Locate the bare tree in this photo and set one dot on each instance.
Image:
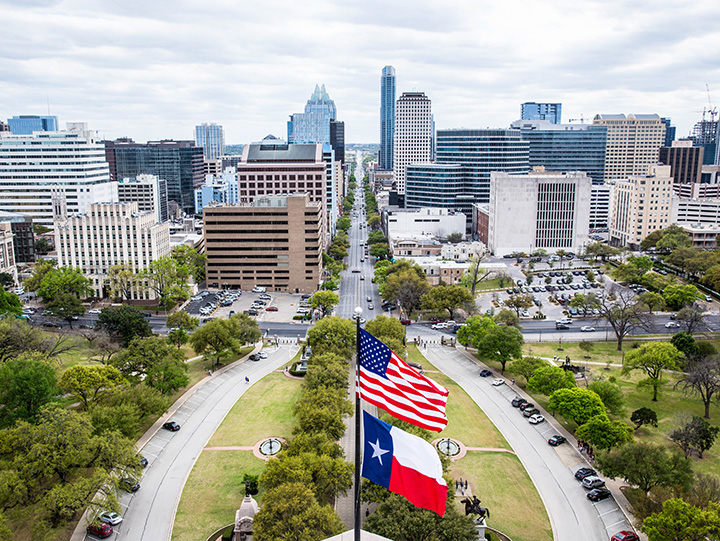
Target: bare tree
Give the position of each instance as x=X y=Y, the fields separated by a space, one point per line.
x=624 y=313
x=475 y=274
x=691 y=319
x=703 y=379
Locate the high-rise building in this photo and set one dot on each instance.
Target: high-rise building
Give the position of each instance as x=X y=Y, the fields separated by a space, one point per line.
x=387 y=118
x=600 y=201
x=538 y=210
x=633 y=144
x=4 y=127
x=53 y=173
x=7 y=251
x=27 y=124
x=337 y=139
x=565 y=147
x=180 y=163
x=220 y=189
x=551 y=112
x=24 y=237
x=275 y=242
x=313 y=126
x=211 y=137
x=149 y=192
x=109 y=234
x=641 y=205
x=705 y=135
x=413 y=135
x=670 y=131
x=685 y=161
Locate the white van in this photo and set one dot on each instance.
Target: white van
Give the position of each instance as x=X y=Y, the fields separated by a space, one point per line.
x=565 y=320
x=258 y=289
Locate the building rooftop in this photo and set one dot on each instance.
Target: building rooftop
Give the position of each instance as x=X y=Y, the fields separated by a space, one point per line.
x=282 y=152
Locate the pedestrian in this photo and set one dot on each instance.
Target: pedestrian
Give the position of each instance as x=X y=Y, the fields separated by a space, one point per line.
x=247 y=379
x=209 y=372
x=513 y=381
x=465 y=484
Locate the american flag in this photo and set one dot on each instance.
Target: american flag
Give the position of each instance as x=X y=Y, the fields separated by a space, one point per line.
x=387 y=382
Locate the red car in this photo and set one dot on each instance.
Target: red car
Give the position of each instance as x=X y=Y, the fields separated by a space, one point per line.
x=100 y=529
x=405 y=321
x=625 y=536
x=271 y=309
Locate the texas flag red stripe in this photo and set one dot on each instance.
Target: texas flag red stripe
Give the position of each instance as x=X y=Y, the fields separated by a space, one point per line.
x=420 y=490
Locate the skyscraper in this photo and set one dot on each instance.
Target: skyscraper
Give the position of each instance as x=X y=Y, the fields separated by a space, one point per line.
x=211 y=137
x=387 y=118
x=27 y=124
x=541 y=111
x=412 y=140
x=318 y=124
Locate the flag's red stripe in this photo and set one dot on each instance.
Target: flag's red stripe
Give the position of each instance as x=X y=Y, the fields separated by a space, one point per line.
x=420 y=490
x=404 y=416
x=407 y=399
x=408 y=412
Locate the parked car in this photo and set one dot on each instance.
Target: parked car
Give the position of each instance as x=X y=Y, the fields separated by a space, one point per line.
x=271 y=309
x=130 y=484
x=517 y=402
x=262 y=355
x=498 y=381
x=251 y=312
x=144 y=462
x=111 y=517
x=485 y=373
x=529 y=412
x=95 y=311
x=536 y=419
x=254 y=357
x=598 y=494
x=405 y=321
x=100 y=529
x=582 y=473
x=525 y=404
x=625 y=536
x=593 y=481
x=556 y=440
x=172 y=426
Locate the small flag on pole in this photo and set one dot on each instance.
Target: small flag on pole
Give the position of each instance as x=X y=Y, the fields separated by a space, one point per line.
x=388 y=382
x=404 y=464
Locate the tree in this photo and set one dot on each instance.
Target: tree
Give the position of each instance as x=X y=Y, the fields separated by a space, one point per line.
x=653 y=359
x=406 y=288
x=178 y=337
x=64 y=280
x=65 y=306
x=507 y=317
x=167 y=279
x=673 y=237
x=611 y=395
x=17 y=337
x=291 y=511
x=379 y=251
x=644 y=416
x=10 y=304
x=678 y=295
x=680 y=521
x=694 y=433
x=42 y=267
x=153 y=361
x=6 y=280
x=244 y=328
x=500 y=344
x=519 y=303
x=601 y=250
x=646 y=465
x=578 y=405
x=333 y=334
x=180 y=319
x=447 y=297
x=624 y=313
x=711 y=278
x=651 y=240
x=26 y=385
x=333 y=375
x=527 y=366
x=43 y=246
x=388 y=330
x=455 y=237
x=325 y=300
x=686 y=344
x=215 y=340
x=691 y=319
x=88 y=383
x=373 y=222
x=603 y=433
x=124 y=323
x=702 y=378
x=654 y=301
x=344 y=223
x=548 y=379
x=189 y=258
x=475 y=328
x=586 y=346
x=474 y=275
x=122 y=279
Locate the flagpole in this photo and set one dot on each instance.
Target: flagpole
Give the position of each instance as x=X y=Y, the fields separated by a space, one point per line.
x=358 y=314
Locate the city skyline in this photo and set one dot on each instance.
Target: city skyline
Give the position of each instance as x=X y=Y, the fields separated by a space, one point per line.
x=152 y=73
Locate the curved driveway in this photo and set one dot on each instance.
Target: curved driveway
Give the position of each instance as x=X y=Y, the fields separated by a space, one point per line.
x=551 y=469
x=151 y=510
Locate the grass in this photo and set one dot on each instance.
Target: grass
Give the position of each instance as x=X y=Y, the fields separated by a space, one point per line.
x=213 y=493
x=214 y=488
x=503 y=485
x=495 y=283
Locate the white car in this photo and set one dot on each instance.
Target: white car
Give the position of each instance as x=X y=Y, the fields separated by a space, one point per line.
x=95 y=311
x=110 y=517
x=672 y=325
x=303 y=311
x=498 y=381
x=587 y=328
x=262 y=355
x=536 y=419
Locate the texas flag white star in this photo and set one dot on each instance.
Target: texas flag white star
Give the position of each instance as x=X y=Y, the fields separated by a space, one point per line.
x=377 y=451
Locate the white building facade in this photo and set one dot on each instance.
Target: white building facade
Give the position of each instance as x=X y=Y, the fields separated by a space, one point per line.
x=600 y=200
x=7 y=250
x=149 y=192
x=108 y=234
x=539 y=210
x=50 y=174
x=435 y=222
x=413 y=137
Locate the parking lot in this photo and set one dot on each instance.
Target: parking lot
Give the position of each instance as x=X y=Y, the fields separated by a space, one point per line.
x=278 y=308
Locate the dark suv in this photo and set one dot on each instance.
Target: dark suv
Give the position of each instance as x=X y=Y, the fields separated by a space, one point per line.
x=582 y=473
x=517 y=402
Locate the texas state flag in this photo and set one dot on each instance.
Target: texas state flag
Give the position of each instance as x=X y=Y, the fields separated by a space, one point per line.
x=404 y=464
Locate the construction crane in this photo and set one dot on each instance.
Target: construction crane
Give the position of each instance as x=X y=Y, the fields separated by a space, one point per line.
x=581 y=119
x=712 y=111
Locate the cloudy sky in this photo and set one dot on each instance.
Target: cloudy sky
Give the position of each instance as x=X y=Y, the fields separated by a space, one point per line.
x=154 y=69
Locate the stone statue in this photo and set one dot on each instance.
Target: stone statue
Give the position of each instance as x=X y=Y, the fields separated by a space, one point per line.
x=473 y=507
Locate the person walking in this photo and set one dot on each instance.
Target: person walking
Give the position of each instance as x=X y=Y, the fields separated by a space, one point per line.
x=247 y=379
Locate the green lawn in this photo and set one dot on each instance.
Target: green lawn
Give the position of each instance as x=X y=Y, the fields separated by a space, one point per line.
x=503 y=485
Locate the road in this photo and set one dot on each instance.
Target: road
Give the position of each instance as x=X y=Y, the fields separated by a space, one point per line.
x=151 y=510
x=551 y=469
